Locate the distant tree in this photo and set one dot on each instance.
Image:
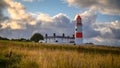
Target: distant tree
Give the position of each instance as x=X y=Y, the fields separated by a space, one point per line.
x=21 y=39
x=36 y=37
x=3 y=38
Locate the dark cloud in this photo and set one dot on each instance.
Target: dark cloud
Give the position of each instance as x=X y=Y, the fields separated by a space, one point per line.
x=2 y=6
x=116 y=33
x=60 y=24
x=106 y=33
x=109 y=30
x=57 y=24
x=103 y=6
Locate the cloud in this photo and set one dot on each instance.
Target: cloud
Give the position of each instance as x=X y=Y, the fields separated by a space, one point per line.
x=2 y=17
x=58 y=24
x=108 y=30
x=103 y=6
x=103 y=33
x=16 y=10
x=13 y=24
x=103 y=41
x=44 y=17
x=18 y=17
x=88 y=19
x=2 y=7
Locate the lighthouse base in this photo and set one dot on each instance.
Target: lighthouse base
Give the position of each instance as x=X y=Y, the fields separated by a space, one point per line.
x=78 y=41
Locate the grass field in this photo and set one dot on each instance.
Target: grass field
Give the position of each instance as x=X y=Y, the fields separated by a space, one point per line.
x=38 y=55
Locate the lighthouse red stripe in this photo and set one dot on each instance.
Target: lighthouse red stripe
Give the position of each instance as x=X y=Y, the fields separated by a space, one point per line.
x=78 y=35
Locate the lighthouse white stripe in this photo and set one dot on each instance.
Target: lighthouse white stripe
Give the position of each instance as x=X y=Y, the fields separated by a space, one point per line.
x=78 y=40
x=79 y=29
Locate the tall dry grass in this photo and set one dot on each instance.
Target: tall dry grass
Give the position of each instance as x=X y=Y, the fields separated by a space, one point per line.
x=36 y=55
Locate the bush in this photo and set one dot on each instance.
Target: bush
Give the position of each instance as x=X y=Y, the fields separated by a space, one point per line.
x=4 y=61
x=10 y=62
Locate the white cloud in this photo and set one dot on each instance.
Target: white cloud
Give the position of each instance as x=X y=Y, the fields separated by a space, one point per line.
x=18 y=17
x=16 y=10
x=13 y=25
x=44 y=17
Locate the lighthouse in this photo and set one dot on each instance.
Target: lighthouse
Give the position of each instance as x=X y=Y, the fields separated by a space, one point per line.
x=78 y=31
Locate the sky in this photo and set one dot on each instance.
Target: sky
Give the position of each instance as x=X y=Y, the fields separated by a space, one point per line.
x=23 y=18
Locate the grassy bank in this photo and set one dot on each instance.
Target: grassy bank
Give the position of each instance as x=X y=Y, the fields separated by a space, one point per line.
x=37 y=55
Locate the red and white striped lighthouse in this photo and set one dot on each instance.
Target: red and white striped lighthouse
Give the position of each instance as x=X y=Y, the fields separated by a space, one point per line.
x=78 y=31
